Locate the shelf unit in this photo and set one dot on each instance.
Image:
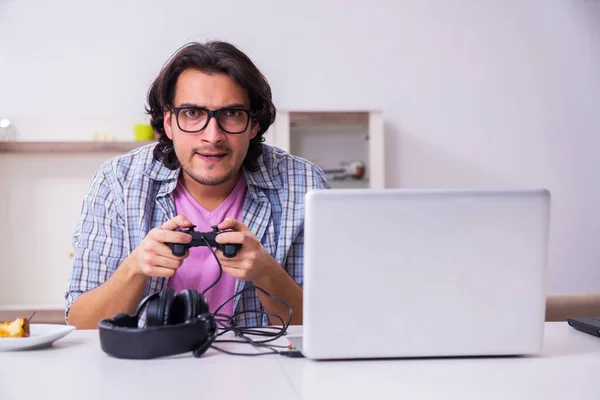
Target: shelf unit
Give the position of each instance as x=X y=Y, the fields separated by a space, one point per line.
x=332 y=139
x=70 y=147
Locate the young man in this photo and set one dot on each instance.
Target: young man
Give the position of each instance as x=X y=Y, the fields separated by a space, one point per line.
x=210 y=107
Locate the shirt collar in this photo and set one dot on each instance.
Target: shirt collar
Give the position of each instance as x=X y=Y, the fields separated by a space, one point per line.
x=157 y=171
x=264 y=178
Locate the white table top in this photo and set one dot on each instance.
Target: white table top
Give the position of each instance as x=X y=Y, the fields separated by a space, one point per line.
x=76 y=367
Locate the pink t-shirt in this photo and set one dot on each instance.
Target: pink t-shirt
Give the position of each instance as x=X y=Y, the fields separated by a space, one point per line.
x=200 y=269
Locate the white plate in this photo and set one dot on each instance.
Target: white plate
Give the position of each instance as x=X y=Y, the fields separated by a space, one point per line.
x=40 y=336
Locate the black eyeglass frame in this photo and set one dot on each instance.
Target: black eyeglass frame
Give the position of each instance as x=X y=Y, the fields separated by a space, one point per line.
x=213 y=113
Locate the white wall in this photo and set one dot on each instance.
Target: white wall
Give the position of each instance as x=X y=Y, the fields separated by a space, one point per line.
x=475 y=94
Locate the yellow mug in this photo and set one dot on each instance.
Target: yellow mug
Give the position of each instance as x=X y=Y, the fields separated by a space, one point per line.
x=143 y=132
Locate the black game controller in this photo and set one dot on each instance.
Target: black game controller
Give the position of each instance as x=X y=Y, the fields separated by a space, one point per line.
x=198 y=239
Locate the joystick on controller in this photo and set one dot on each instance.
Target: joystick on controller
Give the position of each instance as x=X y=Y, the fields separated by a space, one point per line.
x=201 y=239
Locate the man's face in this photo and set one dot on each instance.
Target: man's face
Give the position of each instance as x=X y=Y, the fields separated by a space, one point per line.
x=211 y=156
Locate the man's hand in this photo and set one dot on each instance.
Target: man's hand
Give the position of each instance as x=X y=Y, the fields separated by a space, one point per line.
x=153 y=257
x=252 y=261
x=123 y=291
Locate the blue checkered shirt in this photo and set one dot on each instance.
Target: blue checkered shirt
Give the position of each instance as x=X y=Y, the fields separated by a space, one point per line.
x=132 y=193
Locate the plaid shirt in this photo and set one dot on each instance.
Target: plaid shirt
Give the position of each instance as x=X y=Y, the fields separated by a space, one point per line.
x=132 y=193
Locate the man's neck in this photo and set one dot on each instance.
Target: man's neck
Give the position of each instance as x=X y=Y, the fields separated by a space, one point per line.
x=209 y=197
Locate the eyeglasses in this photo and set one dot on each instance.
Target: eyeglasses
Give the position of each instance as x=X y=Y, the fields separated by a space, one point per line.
x=195 y=119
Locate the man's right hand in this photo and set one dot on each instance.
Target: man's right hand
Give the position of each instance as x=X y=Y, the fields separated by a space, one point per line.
x=153 y=257
x=123 y=291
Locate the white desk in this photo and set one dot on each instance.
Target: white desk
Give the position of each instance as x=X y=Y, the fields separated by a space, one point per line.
x=76 y=367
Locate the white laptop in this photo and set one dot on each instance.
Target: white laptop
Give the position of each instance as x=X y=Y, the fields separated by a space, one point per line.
x=398 y=273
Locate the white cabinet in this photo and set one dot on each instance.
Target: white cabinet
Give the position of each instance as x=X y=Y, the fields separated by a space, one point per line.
x=347 y=145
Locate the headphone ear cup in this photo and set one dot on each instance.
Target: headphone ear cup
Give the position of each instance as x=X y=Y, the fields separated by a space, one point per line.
x=186 y=306
x=159 y=308
x=202 y=304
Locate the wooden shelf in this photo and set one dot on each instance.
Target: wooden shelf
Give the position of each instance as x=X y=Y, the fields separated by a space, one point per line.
x=70 y=147
x=299 y=118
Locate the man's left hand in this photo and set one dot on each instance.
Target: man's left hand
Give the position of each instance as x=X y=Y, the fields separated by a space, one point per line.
x=252 y=261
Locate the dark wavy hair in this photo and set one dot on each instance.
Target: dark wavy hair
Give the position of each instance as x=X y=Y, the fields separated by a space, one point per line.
x=210 y=57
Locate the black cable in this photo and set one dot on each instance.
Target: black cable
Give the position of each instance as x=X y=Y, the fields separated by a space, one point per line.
x=251 y=330
x=250 y=341
x=242 y=354
x=259 y=344
x=220 y=268
x=230 y=326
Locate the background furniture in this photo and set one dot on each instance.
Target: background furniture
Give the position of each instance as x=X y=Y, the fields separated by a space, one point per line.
x=332 y=139
x=559 y=307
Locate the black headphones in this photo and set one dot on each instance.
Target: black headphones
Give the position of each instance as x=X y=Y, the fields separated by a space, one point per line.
x=175 y=323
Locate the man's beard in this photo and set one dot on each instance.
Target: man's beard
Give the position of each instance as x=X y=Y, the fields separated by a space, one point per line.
x=210 y=181
x=213 y=181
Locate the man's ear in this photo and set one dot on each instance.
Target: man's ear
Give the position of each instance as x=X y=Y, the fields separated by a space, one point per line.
x=254 y=130
x=167 y=124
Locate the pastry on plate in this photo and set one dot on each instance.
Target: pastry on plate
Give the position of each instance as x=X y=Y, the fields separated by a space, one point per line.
x=19 y=328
